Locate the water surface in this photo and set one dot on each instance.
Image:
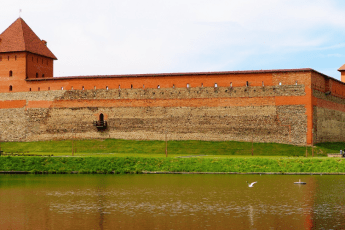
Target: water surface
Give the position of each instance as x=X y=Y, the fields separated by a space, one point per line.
x=171 y=202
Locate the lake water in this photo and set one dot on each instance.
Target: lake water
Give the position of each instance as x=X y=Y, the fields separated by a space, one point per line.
x=171 y=202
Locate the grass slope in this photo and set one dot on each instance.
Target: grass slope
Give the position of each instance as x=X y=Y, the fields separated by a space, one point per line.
x=141 y=164
x=157 y=148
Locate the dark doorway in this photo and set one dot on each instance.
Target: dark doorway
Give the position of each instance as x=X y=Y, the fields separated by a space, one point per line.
x=101 y=117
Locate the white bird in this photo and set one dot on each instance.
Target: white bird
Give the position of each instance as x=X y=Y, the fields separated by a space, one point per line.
x=251 y=184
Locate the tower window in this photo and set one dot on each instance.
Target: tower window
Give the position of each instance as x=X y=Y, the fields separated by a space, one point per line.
x=10 y=88
x=263 y=84
x=247 y=83
x=215 y=85
x=48 y=88
x=61 y=88
x=143 y=86
x=296 y=83
x=11 y=73
x=94 y=87
x=42 y=75
x=158 y=86
x=72 y=88
x=30 y=89
x=119 y=86
x=280 y=83
x=187 y=85
x=38 y=89
x=231 y=84
x=82 y=88
x=107 y=88
x=173 y=86
x=36 y=75
x=131 y=86
x=202 y=84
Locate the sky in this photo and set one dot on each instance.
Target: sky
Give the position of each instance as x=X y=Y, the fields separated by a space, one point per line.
x=108 y=37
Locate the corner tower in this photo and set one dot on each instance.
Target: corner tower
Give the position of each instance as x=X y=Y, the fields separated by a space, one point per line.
x=23 y=55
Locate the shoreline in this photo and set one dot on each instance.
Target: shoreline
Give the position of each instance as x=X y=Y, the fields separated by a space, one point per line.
x=154 y=172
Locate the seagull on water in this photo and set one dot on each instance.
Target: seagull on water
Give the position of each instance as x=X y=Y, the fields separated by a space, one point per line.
x=251 y=184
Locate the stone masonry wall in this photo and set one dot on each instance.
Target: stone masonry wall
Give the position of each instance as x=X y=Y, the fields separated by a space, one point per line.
x=201 y=113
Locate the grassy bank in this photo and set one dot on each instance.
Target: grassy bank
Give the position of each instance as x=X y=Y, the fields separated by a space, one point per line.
x=140 y=164
x=157 y=148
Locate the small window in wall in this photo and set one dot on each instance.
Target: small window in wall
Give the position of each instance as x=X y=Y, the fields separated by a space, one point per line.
x=48 y=88
x=72 y=88
x=173 y=86
x=30 y=89
x=202 y=84
x=107 y=88
x=10 y=88
x=38 y=89
x=94 y=87
x=280 y=83
x=42 y=75
x=82 y=88
x=131 y=86
x=187 y=85
x=143 y=86
x=158 y=86
x=231 y=84
x=119 y=86
x=11 y=73
x=296 y=83
x=61 y=88
x=215 y=85
x=36 y=75
x=247 y=83
x=263 y=84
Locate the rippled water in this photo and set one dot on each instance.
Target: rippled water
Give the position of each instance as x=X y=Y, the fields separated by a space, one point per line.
x=171 y=202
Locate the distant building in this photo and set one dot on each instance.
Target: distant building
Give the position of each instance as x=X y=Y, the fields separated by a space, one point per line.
x=292 y=106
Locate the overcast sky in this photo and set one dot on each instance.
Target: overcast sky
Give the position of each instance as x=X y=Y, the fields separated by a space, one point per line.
x=160 y=36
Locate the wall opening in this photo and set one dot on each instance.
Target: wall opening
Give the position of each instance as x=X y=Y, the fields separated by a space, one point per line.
x=263 y=84
x=82 y=88
x=173 y=86
x=42 y=75
x=101 y=117
x=107 y=88
x=72 y=88
x=30 y=89
x=39 y=89
x=131 y=86
x=231 y=84
x=94 y=87
x=158 y=86
x=36 y=75
x=11 y=73
x=280 y=83
x=187 y=85
x=48 y=88
x=215 y=85
x=119 y=86
x=247 y=83
x=61 y=88
x=295 y=82
x=143 y=86
x=10 y=88
x=202 y=85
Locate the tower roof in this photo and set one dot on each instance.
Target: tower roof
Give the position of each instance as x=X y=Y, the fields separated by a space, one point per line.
x=20 y=37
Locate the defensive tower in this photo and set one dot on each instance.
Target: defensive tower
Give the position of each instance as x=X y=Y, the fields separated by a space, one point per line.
x=23 y=55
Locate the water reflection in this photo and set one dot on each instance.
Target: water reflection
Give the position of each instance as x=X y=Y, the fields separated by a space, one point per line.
x=171 y=202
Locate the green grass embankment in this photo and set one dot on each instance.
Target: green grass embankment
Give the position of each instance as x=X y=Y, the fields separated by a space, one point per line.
x=155 y=148
x=140 y=164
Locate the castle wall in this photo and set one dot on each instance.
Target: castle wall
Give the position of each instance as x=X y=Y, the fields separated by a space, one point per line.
x=269 y=113
x=328 y=109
